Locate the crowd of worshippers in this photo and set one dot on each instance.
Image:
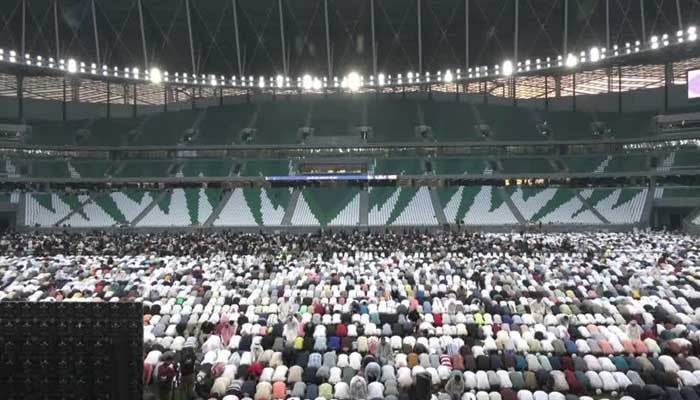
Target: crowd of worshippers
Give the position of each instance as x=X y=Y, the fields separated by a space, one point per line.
x=416 y=316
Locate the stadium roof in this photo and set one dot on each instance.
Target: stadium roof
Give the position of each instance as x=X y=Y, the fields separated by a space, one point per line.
x=68 y=28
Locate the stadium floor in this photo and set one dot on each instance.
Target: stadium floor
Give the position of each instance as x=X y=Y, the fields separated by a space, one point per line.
x=390 y=316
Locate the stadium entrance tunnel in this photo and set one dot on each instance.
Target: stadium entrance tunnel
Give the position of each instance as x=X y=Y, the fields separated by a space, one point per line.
x=7 y=221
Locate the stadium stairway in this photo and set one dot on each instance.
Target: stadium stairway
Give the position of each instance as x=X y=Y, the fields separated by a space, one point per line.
x=148 y=208
x=364 y=207
x=513 y=209
x=289 y=211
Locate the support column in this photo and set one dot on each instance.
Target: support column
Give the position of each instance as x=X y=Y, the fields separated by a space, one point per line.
x=143 y=37
x=678 y=11
x=328 y=43
x=20 y=97
x=189 y=31
x=24 y=31
x=607 y=24
x=466 y=35
x=619 y=88
x=63 y=103
x=374 y=39
x=644 y=23
x=109 y=99
x=573 y=92
x=566 y=29
x=55 y=28
x=420 y=37
x=668 y=76
x=234 y=4
x=515 y=39
x=95 y=32
x=284 y=46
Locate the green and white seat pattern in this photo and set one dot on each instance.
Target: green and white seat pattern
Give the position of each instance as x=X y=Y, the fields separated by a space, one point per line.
x=618 y=206
x=402 y=206
x=254 y=207
x=327 y=207
x=477 y=205
x=181 y=207
x=47 y=209
x=553 y=205
x=670 y=192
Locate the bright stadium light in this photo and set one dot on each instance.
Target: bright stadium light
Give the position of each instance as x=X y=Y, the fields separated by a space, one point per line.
x=39 y=61
x=381 y=79
x=135 y=73
x=212 y=80
x=279 y=81
x=594 y=54
x=72 y=66
x=664 y=39
x=410 y=77
x=654 y=42
x=316 y=84
x=307 y=82
x=261 y=82
x=354 y=81
x=156 y=76
x=571 y=61
x=692 y=34
x=448 y=78
x=679 y=36
x=507 y=68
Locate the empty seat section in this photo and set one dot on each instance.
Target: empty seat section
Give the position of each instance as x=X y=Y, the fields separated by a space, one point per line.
x=207 y=168
x=50 y=169
x=166 y=128
x=392 y=120
x=686 y=160
x=335 y=117
x=145 y=168
x=670 y=192
x=451 y=121
x=627 y=163
x=327 y=206
x=47 y=209
x=54 y=133
x=255 y=206
x=458 y=165
x=266 y=168
x=111 y=131
x=223 y=125
x=278 y=122
x=401 y=206
x=476 y=205
x=89 y=168
x=508 y=123
x=583 y=164
x=526 y=165
x=618 y=206
x=398 y=166
x=568 y=125
x=628 y=125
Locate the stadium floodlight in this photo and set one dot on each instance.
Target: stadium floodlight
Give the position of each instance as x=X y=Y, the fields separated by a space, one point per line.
x=527 y=64
x=72 y=66
x=507 y=69
x=354 y=81
x=261 y=82
x=679 y=36
x=279 y=81
x=664 y=39
x=307 y=82
x=316 y=84
x=166 y=77
x=213 y=81
x=616 y=50
x=52 y=63
x=654 y=42
x=381 y=79
x=571 y=61
x=39 y=61
x=13 y=56
x=409 y=75
x=156 y=76
x=692 y=34
x=448 y=78
x=628 y=48
x=399 y=79
x=594 y=54
x=82 y=67
x=184 y=77
x=459 y=73
x=636 y=46
x=135 y=73
x=2 y=54
x=27 y=59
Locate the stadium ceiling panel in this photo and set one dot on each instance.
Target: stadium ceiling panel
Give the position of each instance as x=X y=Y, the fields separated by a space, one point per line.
x=328 y=37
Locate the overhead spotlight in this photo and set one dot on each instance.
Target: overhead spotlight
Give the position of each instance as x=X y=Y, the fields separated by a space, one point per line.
x=427 y=76
x=459 y=74
x=409 y=75
x=135 y=73
x=316 y=84
x=679 y=36
x=664 y=39
x=654 y=42
x=279 y=81
x=448 y=76
x=560 y=60
x=354 y=81
x=616 y=50
x=93 y=68
x=571 y=61
x=399 y=79
x=628 y=48
x=156 y=76
x=166 y=77
x=594 y=54
x=507 y=69
x=527 y=64
x=213 y=81
x=39 y=61
x=2 y=54
x=538 y=64
x=72 y=65
x=692 y=33
x=52 y=62
x=307 y=82
x=261 y=82
x=381 y=79
x=28 y=59
x=636 y=46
